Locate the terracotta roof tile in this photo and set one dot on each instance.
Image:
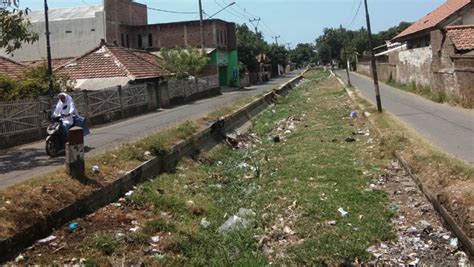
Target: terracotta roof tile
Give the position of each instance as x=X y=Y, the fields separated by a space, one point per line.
x=462 y=36
x=109 y=61
x=434 y=18
x=11 y=68
x=57 y=62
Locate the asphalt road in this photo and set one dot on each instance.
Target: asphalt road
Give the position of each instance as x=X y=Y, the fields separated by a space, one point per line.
x=28 y=161
x=449 y=128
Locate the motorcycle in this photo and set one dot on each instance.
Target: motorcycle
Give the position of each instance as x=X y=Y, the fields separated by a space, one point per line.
x=55 y=142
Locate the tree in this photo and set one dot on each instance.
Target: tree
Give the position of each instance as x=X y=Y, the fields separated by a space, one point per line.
x=184 y=62
x=303 y=55
x=33 y=82
x=249 y=45
x=15 y=29
x=278 y=56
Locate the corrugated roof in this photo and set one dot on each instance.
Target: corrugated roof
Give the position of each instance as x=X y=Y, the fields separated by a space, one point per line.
x=434 y=18
x=108 y=61
x=11 y=68
x=462 y=36
x=66 y=13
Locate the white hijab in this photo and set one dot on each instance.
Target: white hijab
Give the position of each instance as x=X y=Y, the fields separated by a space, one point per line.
x=66 y=108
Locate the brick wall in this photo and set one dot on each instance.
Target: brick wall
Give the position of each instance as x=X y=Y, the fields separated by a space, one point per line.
x=119 y=12
x=217 y=34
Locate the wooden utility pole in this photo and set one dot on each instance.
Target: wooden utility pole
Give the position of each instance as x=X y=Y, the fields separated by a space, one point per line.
x=276 y=39
x=374 y=65
x=256 y=25
x=48 y=50
x=201 y=26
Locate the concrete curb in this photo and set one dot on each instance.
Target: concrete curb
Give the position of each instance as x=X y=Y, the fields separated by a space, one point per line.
x=448 y=219
x=201 y=141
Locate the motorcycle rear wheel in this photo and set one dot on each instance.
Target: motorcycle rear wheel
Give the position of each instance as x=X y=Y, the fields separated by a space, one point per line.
x=51 y=148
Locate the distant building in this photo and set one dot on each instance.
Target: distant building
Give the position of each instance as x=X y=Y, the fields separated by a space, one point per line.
x=77 y=30
x=220 y=43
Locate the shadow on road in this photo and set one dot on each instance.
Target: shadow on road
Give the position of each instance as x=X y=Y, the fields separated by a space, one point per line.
x=28 y=158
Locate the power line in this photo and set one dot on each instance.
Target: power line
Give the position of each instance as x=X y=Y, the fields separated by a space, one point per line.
x=172 y=11
x=355 y=16
x=230 y=12
x=163 y=10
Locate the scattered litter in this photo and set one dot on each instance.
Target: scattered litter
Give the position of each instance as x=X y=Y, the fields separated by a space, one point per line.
x=118 y=205
x=205 y=223
x=20 y=258
x=350 y=139
x=155 y=239
x=288 y=230
x=276 y=139
x=414 y=263
x=190 y=203
x=46 y=240
x=242 y=220
x=129 y=193
x=134 y=229
x=73 y=226
x=119 y=235
x=454 y=242
x=333 y=222
x=134 y=222
x=147 y=153
x=95 y=169
x=219 y=163
x=342 y=212
x=353 y=115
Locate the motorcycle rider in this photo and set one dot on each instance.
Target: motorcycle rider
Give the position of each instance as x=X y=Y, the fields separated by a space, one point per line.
x=66 y=109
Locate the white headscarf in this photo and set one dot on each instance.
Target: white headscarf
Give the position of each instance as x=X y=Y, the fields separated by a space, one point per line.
x=66 y=108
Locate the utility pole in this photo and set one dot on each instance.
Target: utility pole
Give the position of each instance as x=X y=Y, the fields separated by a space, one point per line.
x=345 y=54
x=201 y=26
x=374 y=65
x=276 y=39
x=256 y=25
x=48 y=50
x=289 y=46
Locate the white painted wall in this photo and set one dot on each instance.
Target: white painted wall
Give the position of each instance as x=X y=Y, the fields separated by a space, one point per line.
x=80 y=39
x=414 y=66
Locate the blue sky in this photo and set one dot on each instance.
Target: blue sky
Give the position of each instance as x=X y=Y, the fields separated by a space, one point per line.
x=296 y=21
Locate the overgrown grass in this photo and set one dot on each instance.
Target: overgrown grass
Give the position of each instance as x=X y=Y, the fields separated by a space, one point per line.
x=299 y=183
x=424 y=91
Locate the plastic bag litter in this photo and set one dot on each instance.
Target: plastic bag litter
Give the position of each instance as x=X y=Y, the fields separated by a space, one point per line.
x=242 y=220
x=342 y=212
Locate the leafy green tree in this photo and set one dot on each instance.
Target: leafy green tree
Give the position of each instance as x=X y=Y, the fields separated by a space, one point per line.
x=15 y=29
x=33 y=82
x=184 y=62
x=303 y=55
x=278 y=56
x=249 y=45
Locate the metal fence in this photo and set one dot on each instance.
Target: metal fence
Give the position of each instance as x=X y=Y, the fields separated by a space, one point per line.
x=28 y=115
x=31 y=114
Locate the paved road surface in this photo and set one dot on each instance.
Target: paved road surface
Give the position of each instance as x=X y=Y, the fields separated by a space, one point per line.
x=449 y=128
x=24 y=162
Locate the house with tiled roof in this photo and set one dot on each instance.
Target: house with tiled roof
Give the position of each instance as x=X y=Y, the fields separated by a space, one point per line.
x=438 y=53
x=453 y=12
x=111 y=65
x=11 y=68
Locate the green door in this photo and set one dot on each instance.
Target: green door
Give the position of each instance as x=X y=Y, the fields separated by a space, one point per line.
x=223 y=76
